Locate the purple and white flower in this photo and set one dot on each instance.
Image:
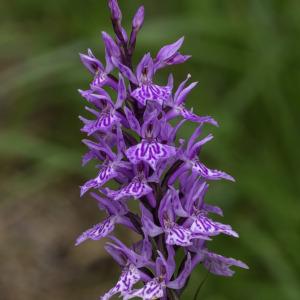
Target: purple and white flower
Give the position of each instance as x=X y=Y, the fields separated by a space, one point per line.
x=116 y=211
x=179 y=109
x=101 y=73
x=137 y=188
x=129 y=277
x=146 y=90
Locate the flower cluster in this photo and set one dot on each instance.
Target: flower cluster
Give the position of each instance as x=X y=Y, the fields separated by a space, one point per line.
x=136 y=143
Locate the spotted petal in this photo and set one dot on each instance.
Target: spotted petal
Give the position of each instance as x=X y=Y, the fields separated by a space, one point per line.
x=103 y=123
x=105 y=174
x=220 y=265
x=151 y=291
x=98 y=231
x=137 y=188
x=151 y=92
x=206 y=226
x=150 y=152
x=178 y=235
x=207 y=173
x=130 y=276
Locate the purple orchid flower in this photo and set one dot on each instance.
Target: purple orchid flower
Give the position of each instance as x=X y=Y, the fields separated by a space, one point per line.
x=129 y=277
x=95 y=66
x=179 y=109
x=156 y=287
x=197 y=213
x=192 y=162
x=137 y=188
x=116 y=212
x=149 y=150
x=215 y=263
x=220 y=265
x=146 y=90
x=135 y=140
x=131 y=260
x=109 y=115
x=169 y=55
x=175 y=234
x=112 y=167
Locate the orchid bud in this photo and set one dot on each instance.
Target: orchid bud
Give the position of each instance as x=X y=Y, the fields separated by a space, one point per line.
x=115 y=10
x=138 y=19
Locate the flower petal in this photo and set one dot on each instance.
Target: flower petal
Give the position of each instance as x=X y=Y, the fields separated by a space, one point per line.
x=142 y=68
x=97 y=96
x=210 y=174
x=169 y=50
x=130 y=276
x=143 y=247
x=195 y=149
x=150 y=152
x=99 y=80
x=166 y=211
x=152 y=290
x=177 y=205
x=91 y=62
x=181 y=94
x=178 y=235
x=125 y=70
x=220 y=265
x=122 y=92
x=206 y=226
x=87 y=157
x=138 y=260
x=180 y=281
x=167 y=53
x=103 y=123
x=149 y=227
x=98 y=231
x=132 y=120
x=176 y=59
x=137 y=188
x=111 y=47
x=105 y=174
x=116 y=253
x=213 y=209
x=189 y=115
x=151 y=92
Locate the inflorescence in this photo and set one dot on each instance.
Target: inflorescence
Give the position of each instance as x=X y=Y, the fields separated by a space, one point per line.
x=138 y=148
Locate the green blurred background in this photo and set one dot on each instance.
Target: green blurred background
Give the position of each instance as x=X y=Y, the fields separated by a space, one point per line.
x=246 y=58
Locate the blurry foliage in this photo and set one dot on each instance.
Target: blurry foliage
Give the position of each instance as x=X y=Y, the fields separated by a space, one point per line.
x=246 y=58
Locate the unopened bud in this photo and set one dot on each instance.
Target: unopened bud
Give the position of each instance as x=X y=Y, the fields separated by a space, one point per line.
x=115 y=10
x=138 y=19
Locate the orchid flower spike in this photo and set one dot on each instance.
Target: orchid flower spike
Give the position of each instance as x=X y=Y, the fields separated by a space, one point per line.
x=133 y=135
